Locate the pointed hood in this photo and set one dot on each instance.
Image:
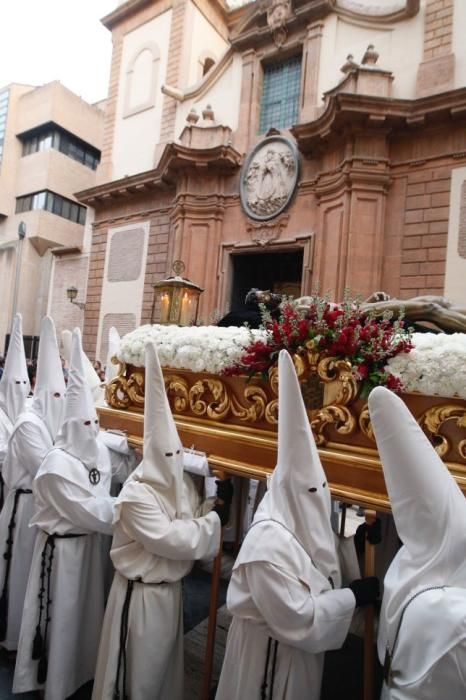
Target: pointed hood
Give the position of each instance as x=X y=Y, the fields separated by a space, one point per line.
x=427 y=505
x=66 y=336
x=80 y=428
x=92 y=377
x=14 y=384
x=298 y=494
x=162 y=464
x=49 y=391
x=111 y=370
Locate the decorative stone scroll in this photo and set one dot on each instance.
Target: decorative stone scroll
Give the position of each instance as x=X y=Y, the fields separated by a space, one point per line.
x=269 y=178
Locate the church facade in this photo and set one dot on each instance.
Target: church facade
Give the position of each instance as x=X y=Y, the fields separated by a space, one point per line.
x=282 y=144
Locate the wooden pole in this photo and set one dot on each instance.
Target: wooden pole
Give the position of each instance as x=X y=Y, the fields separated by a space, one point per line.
x=369 y=570
x=344 y=507
x=212 y=624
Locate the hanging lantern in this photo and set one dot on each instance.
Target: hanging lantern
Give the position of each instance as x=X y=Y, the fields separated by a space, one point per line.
x=178 y=299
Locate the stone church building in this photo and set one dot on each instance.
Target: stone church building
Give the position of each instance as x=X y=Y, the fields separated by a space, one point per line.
x=281 y=144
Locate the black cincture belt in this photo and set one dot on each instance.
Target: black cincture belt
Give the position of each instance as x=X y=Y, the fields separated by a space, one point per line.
x=124 y=628
x=2 y=491
x=8 y=555
x=39 y=644
x=266 y=681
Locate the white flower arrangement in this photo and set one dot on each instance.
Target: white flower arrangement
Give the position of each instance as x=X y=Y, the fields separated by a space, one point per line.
x=196 y=348
x=436 y=365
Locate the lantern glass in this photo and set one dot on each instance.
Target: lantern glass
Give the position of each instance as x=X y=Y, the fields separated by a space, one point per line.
x=177 y=300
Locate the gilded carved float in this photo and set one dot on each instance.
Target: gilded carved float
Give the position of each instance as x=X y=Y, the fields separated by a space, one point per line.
x=234 y=420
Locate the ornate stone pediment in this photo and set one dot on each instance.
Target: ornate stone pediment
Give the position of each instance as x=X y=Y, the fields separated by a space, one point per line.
x=278 y=13
x=282 y=17
x=266 y=232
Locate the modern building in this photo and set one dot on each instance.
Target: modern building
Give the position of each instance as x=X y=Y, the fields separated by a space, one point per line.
x=280 y=144
x=50 y=147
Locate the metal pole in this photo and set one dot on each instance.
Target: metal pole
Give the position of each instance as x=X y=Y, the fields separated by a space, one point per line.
x=19 y=252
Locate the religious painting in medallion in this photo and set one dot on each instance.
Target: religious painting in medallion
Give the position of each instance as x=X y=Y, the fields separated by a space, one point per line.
x=269 y=178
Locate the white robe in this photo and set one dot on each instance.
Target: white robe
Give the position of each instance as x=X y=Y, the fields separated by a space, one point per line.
x=287 y=599
x=148 y=545
x=68 y=504
x=29 y=443
x=430 y=655
x=6 y=426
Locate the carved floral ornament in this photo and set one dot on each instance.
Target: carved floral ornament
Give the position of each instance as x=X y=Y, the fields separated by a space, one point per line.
x=269 y=178
x=232 y=400
x=278 y=13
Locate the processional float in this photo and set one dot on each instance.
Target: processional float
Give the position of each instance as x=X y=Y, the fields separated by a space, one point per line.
x=234 y=419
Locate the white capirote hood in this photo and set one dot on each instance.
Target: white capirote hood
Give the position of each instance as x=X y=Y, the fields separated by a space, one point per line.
x=92 y=377
x=49 y=391
x=162 y=464
x=114 y=340
x=298 y=495
x=80 y=428
x=429 y=511
x=14 y=384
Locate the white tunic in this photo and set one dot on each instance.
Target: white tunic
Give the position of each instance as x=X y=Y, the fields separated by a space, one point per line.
x=66 y=505
x=288 y=600
x=156 y=551
x=429 y=658
x=6 y=426
x=29 y=443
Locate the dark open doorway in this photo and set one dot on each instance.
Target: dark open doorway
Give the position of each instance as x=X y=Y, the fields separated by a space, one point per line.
x=280 y=272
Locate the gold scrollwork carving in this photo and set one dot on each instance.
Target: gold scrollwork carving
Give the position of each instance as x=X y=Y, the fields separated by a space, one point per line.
x=434 y=419
x=116 y=394
x=271 y=412
x=339 y=372
x=339 y=416
x=257 y=398
x=178 y=392
x=365 y=423
x=216 y=406
x=135 y=388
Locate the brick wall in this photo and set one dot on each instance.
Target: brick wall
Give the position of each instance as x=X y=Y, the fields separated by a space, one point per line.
x=94 y=290
x=425 y=232
x=104 y=171
x=173 y=69
x=68 y=272
x=157 y=260
x=438 y=36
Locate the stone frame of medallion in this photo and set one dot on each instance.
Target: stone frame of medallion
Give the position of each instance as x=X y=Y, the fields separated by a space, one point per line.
x=291 y=143
x=228 y=249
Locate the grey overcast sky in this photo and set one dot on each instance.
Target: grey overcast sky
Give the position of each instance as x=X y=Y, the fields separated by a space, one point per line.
x=44 y=40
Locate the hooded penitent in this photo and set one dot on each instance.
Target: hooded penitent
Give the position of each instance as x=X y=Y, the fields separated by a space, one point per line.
x=49 y=391
x=80 y=428
x=162 y=465
x=14 y=384
x=91 y=375
x=430 y=517
x=298 y=495
x=114 y=340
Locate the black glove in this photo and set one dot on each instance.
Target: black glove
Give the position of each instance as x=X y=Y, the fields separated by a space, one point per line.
x=366 y=590
x=223 y=512
x=224 y=490
x=372 y=532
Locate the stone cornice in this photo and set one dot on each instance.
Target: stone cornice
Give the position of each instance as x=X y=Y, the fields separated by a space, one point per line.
x=130 y=7
x=349 y=110
x=175 y=158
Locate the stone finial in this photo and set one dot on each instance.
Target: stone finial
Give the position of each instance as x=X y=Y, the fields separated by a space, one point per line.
x=371 y=56
x=349 y=65
x=208 y=114
x=193 y=117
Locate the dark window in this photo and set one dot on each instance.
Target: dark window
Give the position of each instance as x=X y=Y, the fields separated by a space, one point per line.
x=280 y=94
x=51 y=136
x=54 y=203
